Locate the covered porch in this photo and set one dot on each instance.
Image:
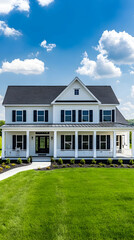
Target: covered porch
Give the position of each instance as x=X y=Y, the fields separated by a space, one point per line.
x=67 y=142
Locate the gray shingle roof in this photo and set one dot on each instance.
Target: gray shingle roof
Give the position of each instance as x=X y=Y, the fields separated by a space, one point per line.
x=120 y=118
x=46 y=94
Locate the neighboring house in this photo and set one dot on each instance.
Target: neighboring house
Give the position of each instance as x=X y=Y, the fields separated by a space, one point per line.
x=74 y=121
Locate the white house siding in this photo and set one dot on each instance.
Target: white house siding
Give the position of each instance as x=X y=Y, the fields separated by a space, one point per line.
x=29 y=115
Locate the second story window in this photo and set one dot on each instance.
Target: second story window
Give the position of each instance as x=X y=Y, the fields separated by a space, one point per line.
x=107 y=116
x=76 y=91
x=41 y=116
x=19 y=115
x=85 y=116
x=68 y=116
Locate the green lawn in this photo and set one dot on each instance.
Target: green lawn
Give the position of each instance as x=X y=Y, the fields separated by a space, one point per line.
x=68 y=204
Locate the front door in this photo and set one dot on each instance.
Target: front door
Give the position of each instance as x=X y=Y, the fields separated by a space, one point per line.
x=42 y=144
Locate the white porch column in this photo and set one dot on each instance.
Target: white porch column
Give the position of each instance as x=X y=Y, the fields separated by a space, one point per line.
x=27 y=151
x=3 y=144
x=76 y=144
x=114 y=144
x=55 y=144
x=94 y=145
x=132 y=144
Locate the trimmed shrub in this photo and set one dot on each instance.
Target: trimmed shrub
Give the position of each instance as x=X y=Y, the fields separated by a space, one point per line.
x=109 y=161
x=1 y=169
x=82 y=161
x=111 y=165
x=120 y=161
x=122 y=165
x=128 y=166
x=60 y=161
x=72 y=161
x=104 y=165
x=80 y=165
x=7 y=167
x=29 y=160
x=19 y=161
x=68 y=165
x=131 y=162
x=13 y=164
x=7 y=161
x=100 y=164
x=48 y=168
x=63 y=165
x=93 y=161
x=52 y=159
x=116 y=165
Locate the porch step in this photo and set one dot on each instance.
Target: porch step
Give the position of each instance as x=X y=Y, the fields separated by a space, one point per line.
x=41 y=159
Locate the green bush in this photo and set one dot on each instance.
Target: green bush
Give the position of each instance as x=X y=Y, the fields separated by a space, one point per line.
x=100 y=164
x=93 y=161
x=109 y=161
x=47 y=168
x=68 y=165
x=13 y=164
x=122 y=165
x=104 y=165
x=1 y=169
x=19 y=161
x=72 y=161
x=60 y=161
x=82 y=161
x=29 y=160
x=111 y=165
x=7 y=167
x=52 y=159
x=120 y=161
x=7 y=161
x=80 y=165
x=128 y=166
x=131 y=162
x=116 y=165
x=63 y=165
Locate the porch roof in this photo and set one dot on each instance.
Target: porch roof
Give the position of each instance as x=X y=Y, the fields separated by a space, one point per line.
x=93 y=126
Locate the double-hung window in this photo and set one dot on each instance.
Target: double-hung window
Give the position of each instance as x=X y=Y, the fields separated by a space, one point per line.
x=19 y=142
x=68 y=116
x=76 y=91
x=85 y=116
x=68 y=142
x=19 y=116
x=85 y=142
x=103 y=142
x=41 y=116
x=107 y=116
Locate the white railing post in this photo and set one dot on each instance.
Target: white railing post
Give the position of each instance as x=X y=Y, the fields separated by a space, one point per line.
x=3 y=144
x=94 y=144
x=27 y=151
x=132 y=144
x=55 y=144
x=76 y=144
x=114 y=144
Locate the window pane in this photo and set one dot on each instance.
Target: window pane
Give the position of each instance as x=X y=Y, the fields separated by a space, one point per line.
x=68 y=113
x=85 y=118
x=19 y=145
x=19 y=138
x=85 y=145
x=103 y=145
x=68 y=138
x=107 y=118
x=40 y=118
x=68 y=118
x=19 y=118
x=107 y=112
x=85 y=112
x=67 y=145
x=41 y=113
x=85 y=138
x=103 y=138
x=19 y=113
x=76 y=91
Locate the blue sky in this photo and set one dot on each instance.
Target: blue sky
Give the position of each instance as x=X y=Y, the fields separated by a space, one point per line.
x=93 y=40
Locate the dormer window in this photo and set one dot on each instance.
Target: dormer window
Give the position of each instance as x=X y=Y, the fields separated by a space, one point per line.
x=76 y=91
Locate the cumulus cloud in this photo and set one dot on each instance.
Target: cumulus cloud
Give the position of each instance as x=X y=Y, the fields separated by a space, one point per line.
x=101 y=68
x=128 y=110
x=44 y=3
x=26 y=67
x=49 y=47
x=7 y=31
x=6 y=6
x=117 y=47
x=2 y=111
x=132 y=91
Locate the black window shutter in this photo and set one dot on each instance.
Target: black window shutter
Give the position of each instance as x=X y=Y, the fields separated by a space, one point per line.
x=108 y=141
x=97 y=142
x=62 y=115
x=46 y=115
x=79 y=142
x=35 y=115
x=24 y=115
x=91 y=116
x=62 y=142
x=74 y=115
x=90 y=141
x=120 y=141
x=73 y=141
x=79 y=116
x=13 y=116
x=100 y=115
x=14 y=142
x=24 y=142
x=113 y=115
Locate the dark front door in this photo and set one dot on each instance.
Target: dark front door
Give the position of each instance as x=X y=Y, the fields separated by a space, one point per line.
x=42 y=144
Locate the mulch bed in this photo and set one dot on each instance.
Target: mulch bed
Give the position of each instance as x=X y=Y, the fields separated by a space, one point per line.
x=11 y=167
x=57 y=166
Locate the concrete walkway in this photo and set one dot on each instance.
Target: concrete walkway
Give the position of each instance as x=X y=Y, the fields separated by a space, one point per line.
x=34 y=165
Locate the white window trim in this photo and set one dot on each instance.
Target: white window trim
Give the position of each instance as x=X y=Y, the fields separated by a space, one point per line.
x=67 y=115
x=107 y=115
x=100 y=149
x=19 y=115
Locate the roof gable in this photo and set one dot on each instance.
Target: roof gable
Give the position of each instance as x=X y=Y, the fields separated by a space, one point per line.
x=67 y=95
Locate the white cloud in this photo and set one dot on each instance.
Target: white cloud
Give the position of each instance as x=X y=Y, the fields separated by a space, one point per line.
x=49 y=47
x=132 y=91
x=7 y=31
x=117 y=46
x=6 y=6
x=118 y=81
x=101 y=68
x=44 y=3
x=26 y=67
x=128 y=110
x=2 y=110
x=131 y=72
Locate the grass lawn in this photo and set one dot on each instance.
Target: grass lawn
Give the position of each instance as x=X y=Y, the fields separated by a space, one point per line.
x=68 y=204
